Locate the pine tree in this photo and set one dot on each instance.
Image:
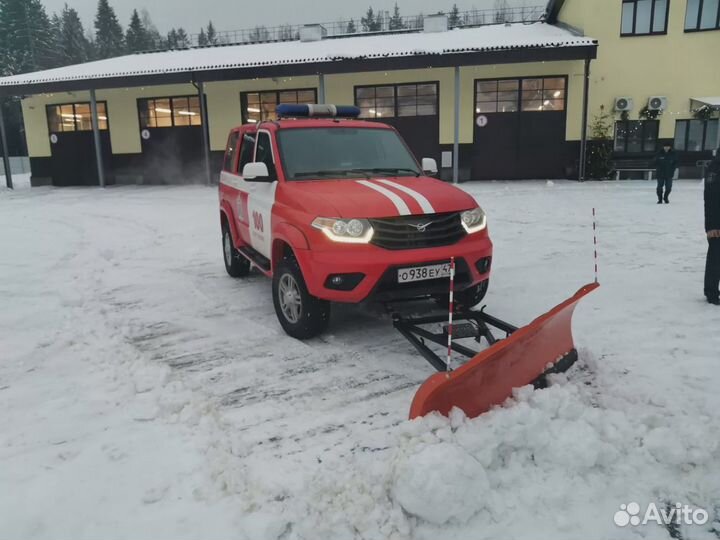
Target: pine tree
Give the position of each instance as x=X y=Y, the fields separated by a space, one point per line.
x=202 y=38
x=109 y=39
x=136 y=38
x=74 y=45
x=351 y=27
x=396 y=22
x=55 y=54
x=38 y=26
x=154 y=39
x=172 y=39
x=369 y=21
x=183 y=41
x=454 y=17
x=212 y=38
x=25 y=43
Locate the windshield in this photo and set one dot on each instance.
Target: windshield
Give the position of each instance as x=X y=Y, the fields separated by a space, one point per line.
x=316 y=153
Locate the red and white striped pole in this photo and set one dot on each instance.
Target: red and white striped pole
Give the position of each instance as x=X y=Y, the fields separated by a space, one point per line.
x=595 y=245
x=450 y=313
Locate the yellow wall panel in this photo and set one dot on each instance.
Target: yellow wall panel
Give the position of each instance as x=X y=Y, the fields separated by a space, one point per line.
x=678 y=65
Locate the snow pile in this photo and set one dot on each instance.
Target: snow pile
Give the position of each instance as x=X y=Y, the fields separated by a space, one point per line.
x=441 y=482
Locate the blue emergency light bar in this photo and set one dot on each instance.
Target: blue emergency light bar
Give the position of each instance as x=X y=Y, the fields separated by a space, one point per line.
x=317 y=110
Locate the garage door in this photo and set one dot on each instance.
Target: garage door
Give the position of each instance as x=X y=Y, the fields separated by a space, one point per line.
x=520 y=128
x=171 y=139
x=72 y=144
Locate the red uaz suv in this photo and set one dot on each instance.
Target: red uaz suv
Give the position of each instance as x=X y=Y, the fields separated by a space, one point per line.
x=336 y=209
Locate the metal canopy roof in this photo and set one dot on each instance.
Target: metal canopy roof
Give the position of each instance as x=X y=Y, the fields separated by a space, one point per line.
x=502 y=43
x=713 y=102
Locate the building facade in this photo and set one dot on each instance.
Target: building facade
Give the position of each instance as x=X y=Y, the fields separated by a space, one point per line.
x=661 y=50
x=503 y=101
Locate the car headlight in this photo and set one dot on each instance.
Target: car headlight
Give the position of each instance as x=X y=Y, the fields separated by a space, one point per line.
x=474 y=220
x=350 y=231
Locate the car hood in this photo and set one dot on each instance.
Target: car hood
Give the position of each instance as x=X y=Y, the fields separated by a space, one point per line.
x=378 y=197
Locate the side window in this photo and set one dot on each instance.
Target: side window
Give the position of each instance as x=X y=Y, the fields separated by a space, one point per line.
x=247 y=148
x=264 y=153
x=231 y=152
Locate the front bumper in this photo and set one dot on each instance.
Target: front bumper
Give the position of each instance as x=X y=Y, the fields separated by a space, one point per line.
x=379 y=268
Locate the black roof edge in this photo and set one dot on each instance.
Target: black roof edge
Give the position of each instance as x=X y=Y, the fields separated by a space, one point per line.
x=353 y=65
x=553 y=9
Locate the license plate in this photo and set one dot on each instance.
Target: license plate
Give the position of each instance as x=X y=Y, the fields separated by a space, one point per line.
x=421 y=273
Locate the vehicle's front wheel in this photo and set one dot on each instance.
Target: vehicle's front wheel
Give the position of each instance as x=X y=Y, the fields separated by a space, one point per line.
x=300 y=314
x=235 y=264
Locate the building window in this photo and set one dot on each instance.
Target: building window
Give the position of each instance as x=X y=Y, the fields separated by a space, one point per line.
x=387 y=101
x=702 y=15
x=636 y=136
x=375 y=101
x=547 y=94
x=644 y=17
x=528 y=95
x=181 y=111
x=260 y=106
x=497 y=96
x=75 y=117
x=696 y=135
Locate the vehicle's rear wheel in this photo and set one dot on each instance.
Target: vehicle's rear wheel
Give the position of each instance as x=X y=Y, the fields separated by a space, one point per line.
x=300 y=314
x=468 y=298
x=235 y=264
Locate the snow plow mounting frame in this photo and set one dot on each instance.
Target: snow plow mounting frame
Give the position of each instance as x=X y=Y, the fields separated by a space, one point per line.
x=411 y=329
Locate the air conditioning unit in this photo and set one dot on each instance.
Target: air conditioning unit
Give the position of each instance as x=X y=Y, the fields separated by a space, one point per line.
x=623 y=104
x=657 y=103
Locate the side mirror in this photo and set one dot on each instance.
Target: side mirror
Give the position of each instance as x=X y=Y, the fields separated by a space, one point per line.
x=429 y=165
x=256 y=172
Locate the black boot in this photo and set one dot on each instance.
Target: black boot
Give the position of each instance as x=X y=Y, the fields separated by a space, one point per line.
x=660 y=195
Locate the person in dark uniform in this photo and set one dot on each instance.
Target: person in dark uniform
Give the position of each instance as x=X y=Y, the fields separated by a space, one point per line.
x=665 y=165
x=712 y=228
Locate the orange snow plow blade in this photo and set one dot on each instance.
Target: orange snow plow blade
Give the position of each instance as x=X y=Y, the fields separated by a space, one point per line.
x=545 y=345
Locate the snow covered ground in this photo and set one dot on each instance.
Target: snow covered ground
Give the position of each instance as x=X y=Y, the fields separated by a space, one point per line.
x=145 y=394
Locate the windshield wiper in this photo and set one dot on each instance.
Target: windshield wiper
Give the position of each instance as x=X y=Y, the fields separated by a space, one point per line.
x=311 y=174
x=391 y=170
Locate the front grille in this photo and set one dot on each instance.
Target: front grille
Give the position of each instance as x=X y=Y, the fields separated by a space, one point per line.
x=403 y=233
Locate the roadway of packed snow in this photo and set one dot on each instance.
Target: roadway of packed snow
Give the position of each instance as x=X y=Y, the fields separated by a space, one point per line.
x=144 y=393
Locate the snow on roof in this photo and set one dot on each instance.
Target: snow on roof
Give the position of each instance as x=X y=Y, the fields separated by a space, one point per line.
x=466 y=40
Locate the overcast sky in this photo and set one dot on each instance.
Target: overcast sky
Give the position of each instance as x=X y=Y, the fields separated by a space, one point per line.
x=239 y=14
